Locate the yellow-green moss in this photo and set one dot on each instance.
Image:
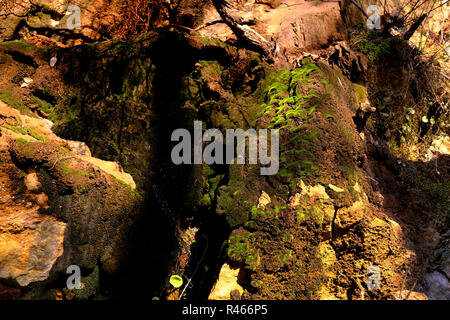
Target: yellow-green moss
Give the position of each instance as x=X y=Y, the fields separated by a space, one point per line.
x=17 y=129
x=240 y=250
x=7 y=96
x=360 y=94
x=34 y=134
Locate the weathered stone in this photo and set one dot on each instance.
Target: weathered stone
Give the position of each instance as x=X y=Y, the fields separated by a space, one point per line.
x=32 y=182
x=30 y=244
x=294 y=25
x=79 y=148
x=227 y=282
x=335 y=188
x=264 y=200
x=410 y=295
x=317 y=191
x=348 y=216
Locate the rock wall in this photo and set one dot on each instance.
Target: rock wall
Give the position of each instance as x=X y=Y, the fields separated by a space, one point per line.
x=58 y=208
x=349 y=195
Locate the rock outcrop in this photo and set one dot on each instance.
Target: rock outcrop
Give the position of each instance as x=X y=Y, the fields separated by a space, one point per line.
x=226 y=284
x=22 y=18
x=56 y=206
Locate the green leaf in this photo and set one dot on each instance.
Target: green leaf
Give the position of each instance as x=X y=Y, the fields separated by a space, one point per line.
x=176 y=281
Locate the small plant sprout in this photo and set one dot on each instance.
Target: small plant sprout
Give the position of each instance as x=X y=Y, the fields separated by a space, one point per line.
x=176 y=281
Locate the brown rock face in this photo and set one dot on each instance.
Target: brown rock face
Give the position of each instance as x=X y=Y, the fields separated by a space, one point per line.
x=294 y=26
x=304 y=24
x=30 y=244
x=349 y=216
x=40 y=234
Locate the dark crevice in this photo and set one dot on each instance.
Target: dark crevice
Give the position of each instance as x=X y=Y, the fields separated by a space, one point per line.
x=22 y=58
x=42 y=95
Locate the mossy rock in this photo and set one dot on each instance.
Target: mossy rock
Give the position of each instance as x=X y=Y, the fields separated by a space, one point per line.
x=89 y=286
x=235 y=199
x=98 y=208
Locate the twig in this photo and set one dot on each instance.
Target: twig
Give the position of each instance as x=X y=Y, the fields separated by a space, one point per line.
x=243 y=32
x=371 y=179
x=196 y=268
x=361 y=9
x=208 y=24
x=412 y=288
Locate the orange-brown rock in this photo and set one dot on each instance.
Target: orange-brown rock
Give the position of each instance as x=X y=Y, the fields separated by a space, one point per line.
x=30 y=244
x=39 y=233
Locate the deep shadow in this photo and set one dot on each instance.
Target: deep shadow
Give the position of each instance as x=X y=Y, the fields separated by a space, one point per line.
x=153 y=238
